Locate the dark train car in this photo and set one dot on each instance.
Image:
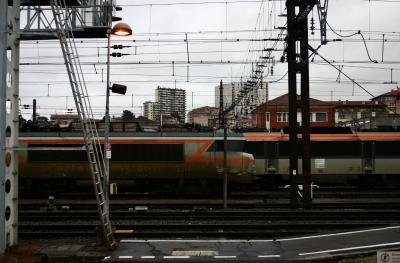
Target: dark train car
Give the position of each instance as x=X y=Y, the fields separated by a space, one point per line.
x=370 y=159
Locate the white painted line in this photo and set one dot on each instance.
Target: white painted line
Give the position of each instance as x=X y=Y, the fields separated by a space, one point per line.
x=197 y=253
x=180 y=257
x=148 y=257
x=252 y=240
x=194 y=241
x=269 y=256
x=349 y=249
x=224 y=256
x=339 y=234
x=125 y=257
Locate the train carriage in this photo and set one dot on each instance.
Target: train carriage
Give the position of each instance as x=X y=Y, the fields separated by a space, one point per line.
x=153 y=158
x=356 y=159
x=174 y=159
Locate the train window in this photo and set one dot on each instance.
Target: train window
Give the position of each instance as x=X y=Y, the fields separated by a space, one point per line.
x=148 y=152
x=284 y=149
x=325 y=149
x=56 y=155
x=255 y=148
x=271 y=149
x=233 y=146
x=335 y=148
x=387 y=148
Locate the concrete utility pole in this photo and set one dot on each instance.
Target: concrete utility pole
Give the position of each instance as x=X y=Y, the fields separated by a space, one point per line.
x=298 y=63
x=3 y=97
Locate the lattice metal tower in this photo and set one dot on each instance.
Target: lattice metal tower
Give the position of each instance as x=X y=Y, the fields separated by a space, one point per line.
x=90 y=20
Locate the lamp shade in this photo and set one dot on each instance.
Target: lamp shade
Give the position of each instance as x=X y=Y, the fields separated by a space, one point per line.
x=121 y=29
x=118 y=88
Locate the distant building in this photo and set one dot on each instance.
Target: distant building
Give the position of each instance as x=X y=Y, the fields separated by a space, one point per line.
x=203 y=115
x=253 y=99
x=150 y=109
x=64 y=120
x=358 y=113
x=274 y=114
x=391 y=99
x=232 y=121
x=169 y=120
x=170 y=102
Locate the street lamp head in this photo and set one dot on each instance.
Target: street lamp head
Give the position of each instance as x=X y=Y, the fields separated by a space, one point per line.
x=118 y=88
x=121 y=29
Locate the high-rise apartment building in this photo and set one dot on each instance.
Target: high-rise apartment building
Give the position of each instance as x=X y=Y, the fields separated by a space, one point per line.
x=254 y=98
x=170 y=102
x=149 y=110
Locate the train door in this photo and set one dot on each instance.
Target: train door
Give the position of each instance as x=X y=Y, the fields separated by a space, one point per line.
x=271 y=157
x=368 y=156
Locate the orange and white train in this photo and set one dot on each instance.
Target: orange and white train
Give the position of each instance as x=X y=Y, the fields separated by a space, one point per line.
x=151 y=158
x=162 y=158
x=363 y=159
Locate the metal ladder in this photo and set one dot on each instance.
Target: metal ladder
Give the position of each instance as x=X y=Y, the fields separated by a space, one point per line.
x=82 y=103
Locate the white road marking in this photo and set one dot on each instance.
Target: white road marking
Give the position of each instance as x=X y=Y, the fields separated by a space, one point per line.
x=349 y=249
x=224 y=256
x=197 y=253
x=181 y=257
x=256 y=240
x=269 y=256
x=125 y=257
x=339 y=234
x=148 y=257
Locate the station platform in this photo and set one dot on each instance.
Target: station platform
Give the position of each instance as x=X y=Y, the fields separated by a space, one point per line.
x=289 y=249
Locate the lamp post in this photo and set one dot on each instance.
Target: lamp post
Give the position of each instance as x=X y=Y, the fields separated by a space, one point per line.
x=120 y=29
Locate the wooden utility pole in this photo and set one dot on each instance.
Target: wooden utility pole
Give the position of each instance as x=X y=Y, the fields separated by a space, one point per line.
x=298 y=64
x=222 y=125
x=221 y=114
x=225 y=167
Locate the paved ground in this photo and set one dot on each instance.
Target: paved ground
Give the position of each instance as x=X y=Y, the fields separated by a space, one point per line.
x=299 y=249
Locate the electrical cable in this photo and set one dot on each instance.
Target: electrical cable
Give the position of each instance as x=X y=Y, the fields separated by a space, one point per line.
x=351 y=35
x=352 y=80
x=366 y=48
x=334 y=31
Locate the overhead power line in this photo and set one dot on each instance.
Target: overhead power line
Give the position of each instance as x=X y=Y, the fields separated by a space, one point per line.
x=197 y=3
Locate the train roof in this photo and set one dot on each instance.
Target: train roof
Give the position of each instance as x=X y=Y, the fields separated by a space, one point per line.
x=253 y=136
x=132 y=134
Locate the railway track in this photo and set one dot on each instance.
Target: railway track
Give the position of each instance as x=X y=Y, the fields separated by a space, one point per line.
x=262 y=214
x=323 y=192
x=206 y=203
x=217 y=215
x=203 y=224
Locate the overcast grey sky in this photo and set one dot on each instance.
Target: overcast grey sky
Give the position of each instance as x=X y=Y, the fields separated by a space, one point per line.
x=159 y=33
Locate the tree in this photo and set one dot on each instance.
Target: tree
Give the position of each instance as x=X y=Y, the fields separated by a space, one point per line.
x=127 y=115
